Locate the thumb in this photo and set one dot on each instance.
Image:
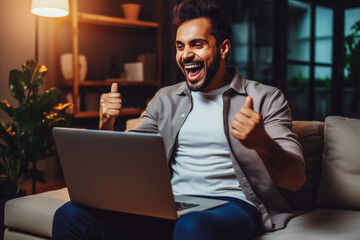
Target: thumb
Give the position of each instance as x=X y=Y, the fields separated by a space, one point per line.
x=114 y=88
x=249 y=102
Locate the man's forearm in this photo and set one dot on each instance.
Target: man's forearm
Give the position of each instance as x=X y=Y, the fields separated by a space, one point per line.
x=286 y=169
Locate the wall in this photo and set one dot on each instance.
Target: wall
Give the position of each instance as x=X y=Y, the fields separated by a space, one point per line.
x=17 y=44
x=17 y=40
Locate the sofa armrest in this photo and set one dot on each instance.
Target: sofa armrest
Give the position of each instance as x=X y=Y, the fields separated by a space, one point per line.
x=34 y=214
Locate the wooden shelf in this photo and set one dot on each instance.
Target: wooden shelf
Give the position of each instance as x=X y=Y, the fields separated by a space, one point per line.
x=123 y=112
x=78 y=88
x=120 y=82
x=114 y=21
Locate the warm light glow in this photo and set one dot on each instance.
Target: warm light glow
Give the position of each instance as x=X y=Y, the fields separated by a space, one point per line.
x=50 y=8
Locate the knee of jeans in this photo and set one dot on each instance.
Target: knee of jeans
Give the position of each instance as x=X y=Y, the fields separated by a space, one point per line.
x=60 y=221
x=192 y=226
x=74 y=222
x=70 y=215
x=65 y=213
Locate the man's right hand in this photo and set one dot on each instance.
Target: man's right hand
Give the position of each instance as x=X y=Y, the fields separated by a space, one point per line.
x=110 y=106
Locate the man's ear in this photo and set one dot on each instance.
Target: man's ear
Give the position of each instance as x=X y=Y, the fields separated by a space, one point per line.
x=225 y=48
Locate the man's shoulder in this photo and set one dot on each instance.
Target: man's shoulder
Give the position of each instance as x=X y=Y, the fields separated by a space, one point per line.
x=175 y=89
x=256 y=88
x=249 y=87
x=176 y=86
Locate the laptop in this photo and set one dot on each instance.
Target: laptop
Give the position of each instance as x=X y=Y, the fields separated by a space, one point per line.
x=122 y=171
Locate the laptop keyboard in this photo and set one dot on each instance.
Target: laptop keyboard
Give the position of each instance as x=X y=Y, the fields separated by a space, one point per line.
x=182 y=205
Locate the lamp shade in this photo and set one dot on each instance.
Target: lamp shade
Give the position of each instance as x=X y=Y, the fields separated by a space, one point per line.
x=50 y=8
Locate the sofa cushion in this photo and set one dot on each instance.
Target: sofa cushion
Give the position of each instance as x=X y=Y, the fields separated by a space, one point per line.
x=311 y=137
x=339 y=185
x=34 y=213
x=12 y=234
x=327 y=224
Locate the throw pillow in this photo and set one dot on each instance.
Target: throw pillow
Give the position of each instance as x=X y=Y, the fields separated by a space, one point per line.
x=339 y=185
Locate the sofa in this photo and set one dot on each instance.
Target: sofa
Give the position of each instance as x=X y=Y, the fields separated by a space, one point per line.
x=326 y=207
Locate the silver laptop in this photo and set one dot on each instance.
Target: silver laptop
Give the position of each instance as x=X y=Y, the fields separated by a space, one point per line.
x=126 y=172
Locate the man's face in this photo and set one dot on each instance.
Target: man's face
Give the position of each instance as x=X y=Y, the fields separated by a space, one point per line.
x=196 y=53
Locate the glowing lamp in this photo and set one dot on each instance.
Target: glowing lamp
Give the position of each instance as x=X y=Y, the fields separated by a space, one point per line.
x=50 y=8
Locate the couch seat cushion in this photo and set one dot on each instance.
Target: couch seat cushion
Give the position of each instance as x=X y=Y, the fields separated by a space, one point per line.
x=34 y=214
x=327 y=224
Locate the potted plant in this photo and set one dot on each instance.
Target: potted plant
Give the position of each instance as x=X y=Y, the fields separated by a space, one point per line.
x=28 y=138
x=352 y=63
x=131 y=9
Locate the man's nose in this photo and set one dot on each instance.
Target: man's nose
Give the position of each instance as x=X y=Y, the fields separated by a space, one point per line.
x=188 y=54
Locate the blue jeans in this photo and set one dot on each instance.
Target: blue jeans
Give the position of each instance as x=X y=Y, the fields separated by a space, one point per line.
x=235 y=220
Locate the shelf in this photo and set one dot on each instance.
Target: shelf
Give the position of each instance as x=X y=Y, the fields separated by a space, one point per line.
x=114 y=21
x=120 y=82
x=78 y=89
x=123 y=112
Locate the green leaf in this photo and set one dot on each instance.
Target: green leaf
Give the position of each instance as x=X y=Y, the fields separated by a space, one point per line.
x=4 y=105
x=34 y=74
x=37 y=83
x=28 y=138
x=3 y=151
x=41 y=71
x=17 y=85
x=34 y=111
x=45 y=102
x=3 y=123
x=7 y=133
x=61 y=106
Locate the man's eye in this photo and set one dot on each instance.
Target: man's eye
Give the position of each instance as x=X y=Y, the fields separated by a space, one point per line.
x=179 y=47
x=198 y=45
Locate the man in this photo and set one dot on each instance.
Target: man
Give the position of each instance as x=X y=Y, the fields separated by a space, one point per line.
x=226 y=137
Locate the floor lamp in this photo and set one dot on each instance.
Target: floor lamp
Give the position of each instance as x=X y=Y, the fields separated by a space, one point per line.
x=46 y=8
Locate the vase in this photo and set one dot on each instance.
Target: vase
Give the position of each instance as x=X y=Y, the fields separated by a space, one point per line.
x=66 y=64
x=131 y=10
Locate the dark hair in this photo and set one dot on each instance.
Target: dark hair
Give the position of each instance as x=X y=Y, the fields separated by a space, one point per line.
x=192 y=9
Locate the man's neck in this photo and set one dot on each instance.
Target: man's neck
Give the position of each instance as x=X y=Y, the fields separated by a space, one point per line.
x=222 y=78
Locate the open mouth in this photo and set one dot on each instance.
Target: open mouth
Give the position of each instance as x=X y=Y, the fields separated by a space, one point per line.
x=193 y=71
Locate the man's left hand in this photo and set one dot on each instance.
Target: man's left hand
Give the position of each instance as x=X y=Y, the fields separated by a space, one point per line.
x=248 y=126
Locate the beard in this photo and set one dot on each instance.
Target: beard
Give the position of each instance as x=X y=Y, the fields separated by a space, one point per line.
x=212 y=69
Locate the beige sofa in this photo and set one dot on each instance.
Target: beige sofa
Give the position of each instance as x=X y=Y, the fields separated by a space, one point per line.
x=327 y=207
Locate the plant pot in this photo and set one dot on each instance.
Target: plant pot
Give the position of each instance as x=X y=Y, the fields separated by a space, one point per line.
x=131 y=10
x=3 y=200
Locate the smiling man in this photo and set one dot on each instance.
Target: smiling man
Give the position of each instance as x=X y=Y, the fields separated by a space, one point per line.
x=199 y=57
x=226 y=137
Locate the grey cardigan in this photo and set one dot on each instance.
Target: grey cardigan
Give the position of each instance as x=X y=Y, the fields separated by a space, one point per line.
x=168 y=110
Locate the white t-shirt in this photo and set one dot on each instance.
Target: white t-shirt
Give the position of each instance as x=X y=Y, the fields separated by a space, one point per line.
x=202 y=163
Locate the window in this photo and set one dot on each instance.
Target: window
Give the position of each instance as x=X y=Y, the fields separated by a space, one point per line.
x=252 y=42
x=351 y=91
x=300 y=52
x=309 y=60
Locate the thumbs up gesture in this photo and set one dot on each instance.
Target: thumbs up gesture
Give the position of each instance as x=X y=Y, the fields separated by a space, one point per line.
x=110 y=105
x=248 y=126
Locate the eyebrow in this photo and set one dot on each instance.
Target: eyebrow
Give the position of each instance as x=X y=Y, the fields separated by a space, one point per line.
x=193 y=41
